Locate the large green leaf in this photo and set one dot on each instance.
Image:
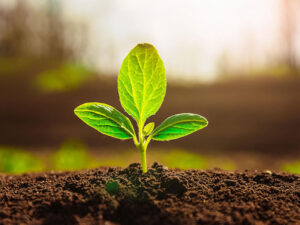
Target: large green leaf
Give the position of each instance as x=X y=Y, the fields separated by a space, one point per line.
x=105 y=119
x=178 y=126
x=142 y=82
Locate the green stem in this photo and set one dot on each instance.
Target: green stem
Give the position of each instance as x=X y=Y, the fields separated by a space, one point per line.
x=143 y=159
x=135 y=141
x=142 y=146
x=141 y=136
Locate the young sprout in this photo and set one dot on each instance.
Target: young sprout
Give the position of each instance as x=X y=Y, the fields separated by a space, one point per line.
x=142 y=88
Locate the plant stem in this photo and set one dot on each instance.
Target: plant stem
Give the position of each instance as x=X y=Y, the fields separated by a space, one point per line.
x=143 y=159
x=142 y=146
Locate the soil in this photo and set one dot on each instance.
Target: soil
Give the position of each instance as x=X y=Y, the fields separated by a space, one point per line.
x=111 y=196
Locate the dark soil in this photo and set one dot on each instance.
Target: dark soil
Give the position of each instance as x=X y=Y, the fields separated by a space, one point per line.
x=161 y=196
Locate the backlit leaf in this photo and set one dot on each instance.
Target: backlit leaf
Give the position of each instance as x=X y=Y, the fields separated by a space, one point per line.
x=178 y=125
x=148 y=128
x=105 y=119
x=142 y=82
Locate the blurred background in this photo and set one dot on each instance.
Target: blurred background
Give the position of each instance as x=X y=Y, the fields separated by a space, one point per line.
x=235 y=62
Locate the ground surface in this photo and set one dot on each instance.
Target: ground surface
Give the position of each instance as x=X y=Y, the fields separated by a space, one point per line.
x=162 y=196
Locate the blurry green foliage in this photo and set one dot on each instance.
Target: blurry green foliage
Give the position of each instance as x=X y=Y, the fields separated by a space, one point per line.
x=275 y=70
x=18 y=161
x=227 y=165
x=122 y=159
x=113 y=161
x=64 y=78
x=10 y=66
x=184 y=160
x=72 y=155
x=292 y=167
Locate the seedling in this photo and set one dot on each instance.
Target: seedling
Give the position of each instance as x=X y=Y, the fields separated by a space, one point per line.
x=142 y=88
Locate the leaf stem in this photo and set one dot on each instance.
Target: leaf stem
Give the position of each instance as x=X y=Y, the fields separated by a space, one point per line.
x=142 y=145
x=141 y=135
x=143 y=158
x=135 y=141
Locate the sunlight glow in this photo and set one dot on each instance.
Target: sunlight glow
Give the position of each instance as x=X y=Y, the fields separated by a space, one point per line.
x=193 y=37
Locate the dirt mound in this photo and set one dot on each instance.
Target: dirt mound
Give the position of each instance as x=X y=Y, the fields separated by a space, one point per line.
x=161 y=196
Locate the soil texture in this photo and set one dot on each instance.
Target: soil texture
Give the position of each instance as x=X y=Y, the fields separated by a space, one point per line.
x=112 y=196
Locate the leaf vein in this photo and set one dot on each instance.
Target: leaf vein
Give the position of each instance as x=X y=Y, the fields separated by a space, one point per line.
x=98 y=113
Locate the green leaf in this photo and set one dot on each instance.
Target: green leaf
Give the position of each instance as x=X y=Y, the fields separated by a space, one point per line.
x=105 y=119
x=178 y=125
x=142 y=82
x=148 y=128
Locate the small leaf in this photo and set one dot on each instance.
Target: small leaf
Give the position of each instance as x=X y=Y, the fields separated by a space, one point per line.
x=105 y=119
x=148 y=128
x=142 y=82
x=178 y=125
